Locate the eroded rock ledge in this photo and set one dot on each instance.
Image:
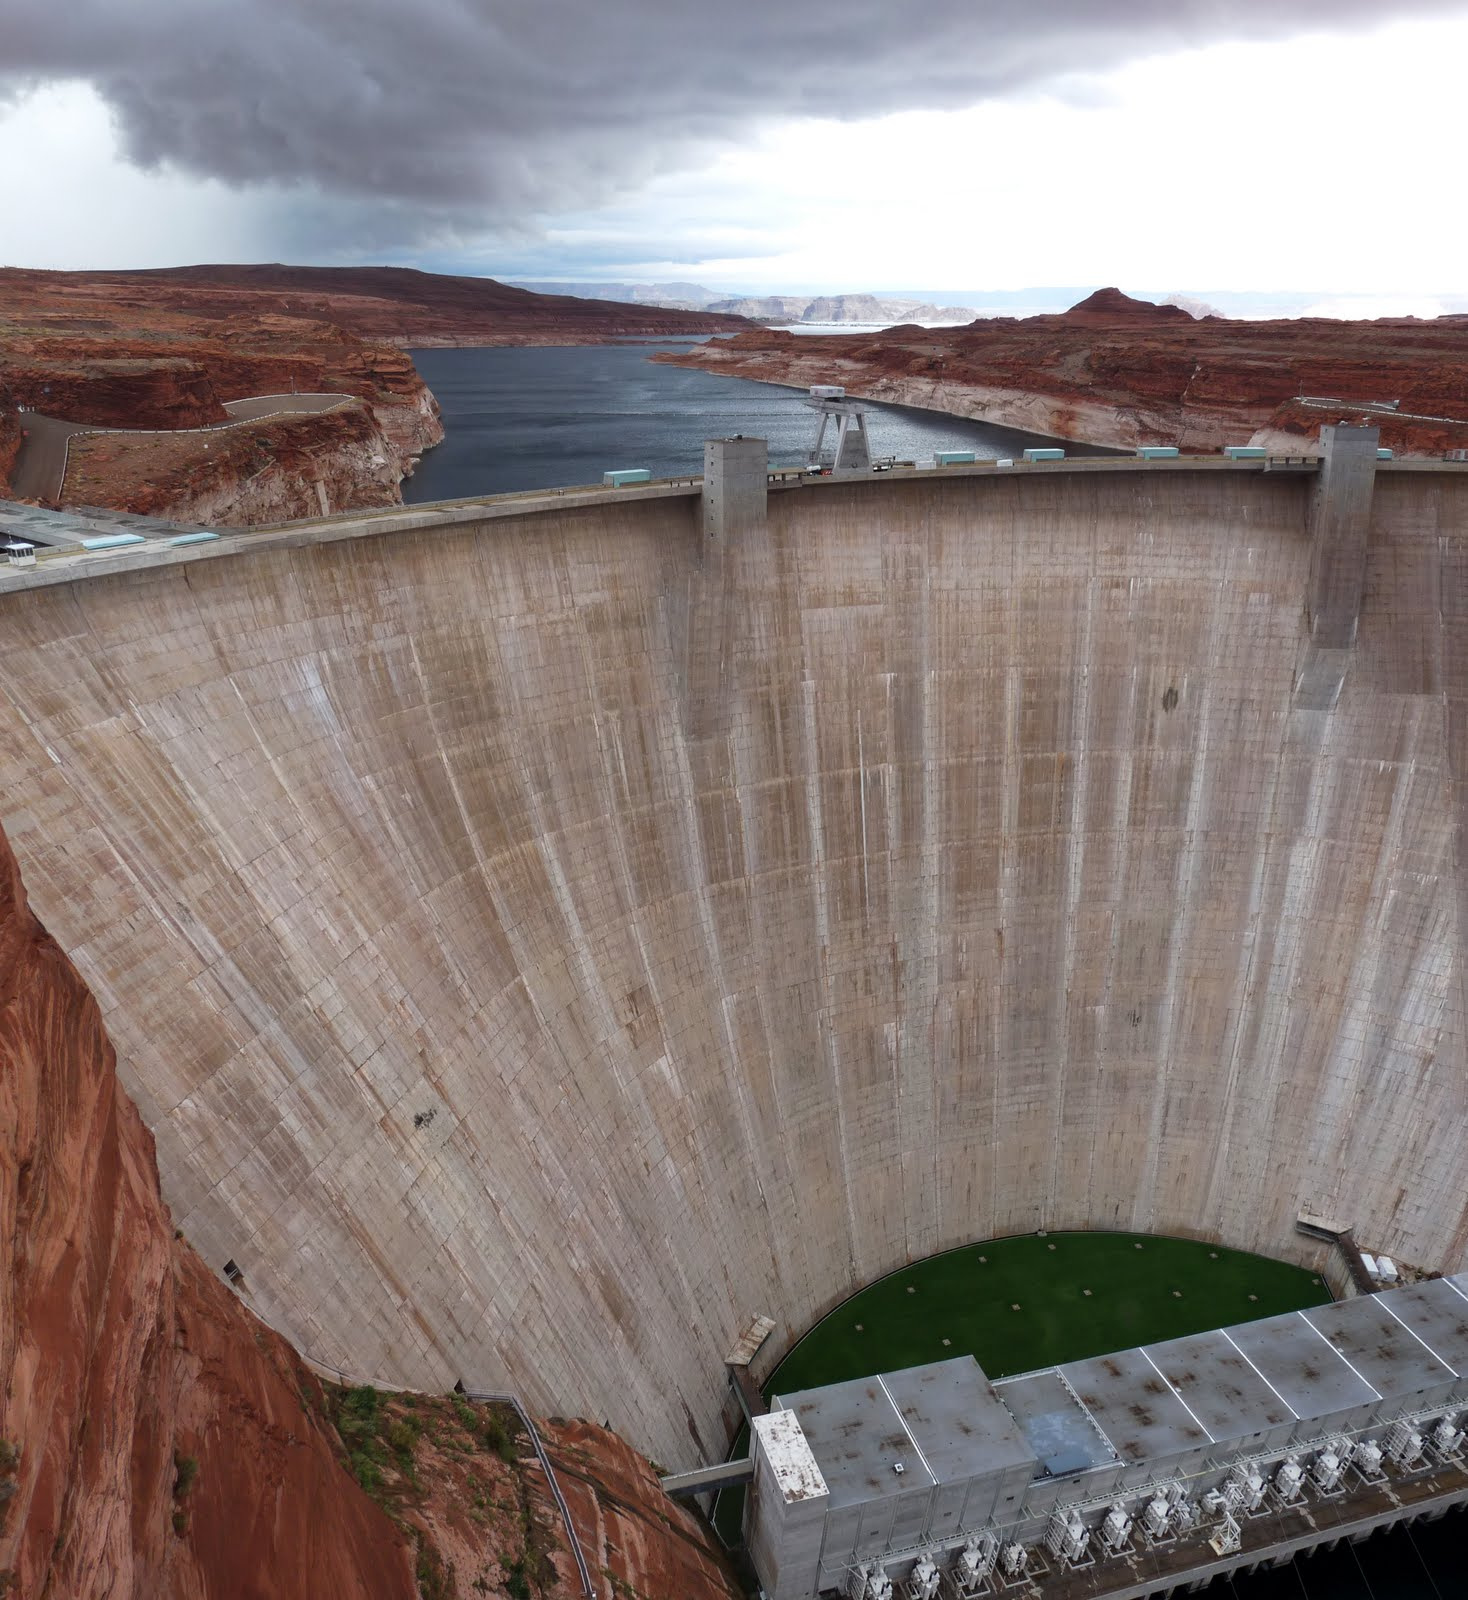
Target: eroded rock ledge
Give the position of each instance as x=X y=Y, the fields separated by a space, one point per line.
x=1123 y=372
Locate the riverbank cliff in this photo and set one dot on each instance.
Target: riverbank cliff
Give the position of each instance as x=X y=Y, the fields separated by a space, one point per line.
x=1122 y=372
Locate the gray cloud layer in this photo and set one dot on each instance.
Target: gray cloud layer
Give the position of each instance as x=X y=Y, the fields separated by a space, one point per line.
x=496 y=109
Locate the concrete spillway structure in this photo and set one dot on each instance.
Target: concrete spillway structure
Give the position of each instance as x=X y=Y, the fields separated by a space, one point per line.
x=544 y=933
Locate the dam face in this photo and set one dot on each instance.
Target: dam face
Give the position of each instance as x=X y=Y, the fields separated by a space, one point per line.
x=541 y=942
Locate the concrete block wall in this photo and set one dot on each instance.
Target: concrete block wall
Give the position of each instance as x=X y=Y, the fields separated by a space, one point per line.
x=501 y=1021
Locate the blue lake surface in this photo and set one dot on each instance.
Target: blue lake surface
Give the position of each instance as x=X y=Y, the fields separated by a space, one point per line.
x=545 y=418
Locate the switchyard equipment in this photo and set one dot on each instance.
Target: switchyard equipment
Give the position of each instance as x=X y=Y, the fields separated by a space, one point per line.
x=936 y=1473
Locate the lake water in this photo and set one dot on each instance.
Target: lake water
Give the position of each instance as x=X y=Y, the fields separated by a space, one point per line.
x=546 y=418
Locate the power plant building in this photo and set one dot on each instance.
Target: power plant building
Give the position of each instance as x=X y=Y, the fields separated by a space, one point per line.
x=915 y=1464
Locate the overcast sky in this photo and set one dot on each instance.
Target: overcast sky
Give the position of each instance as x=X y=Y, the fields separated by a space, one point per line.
x=1197 y=145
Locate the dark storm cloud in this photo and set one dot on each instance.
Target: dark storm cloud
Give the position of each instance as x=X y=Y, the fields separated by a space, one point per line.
x=492 y=109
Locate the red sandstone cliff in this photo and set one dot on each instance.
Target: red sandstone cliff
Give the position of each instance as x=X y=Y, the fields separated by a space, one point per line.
x=273 y=471
x=158 y=1443
x=144 y=364
x=1118 y=371
x=137 y=365
x=121 y=1357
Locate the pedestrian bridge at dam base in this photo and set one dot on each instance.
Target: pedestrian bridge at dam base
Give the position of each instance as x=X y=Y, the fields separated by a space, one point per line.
x=1125 y=1475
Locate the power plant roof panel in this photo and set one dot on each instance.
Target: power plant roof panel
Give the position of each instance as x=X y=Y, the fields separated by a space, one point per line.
x=1063 y=1437
x=956 y=1420
x=1438 y=1314
x=859 y=1441
x=1219 y=1386
x=1307 y=1372
x=1380 y=1347
x=1134 y=1406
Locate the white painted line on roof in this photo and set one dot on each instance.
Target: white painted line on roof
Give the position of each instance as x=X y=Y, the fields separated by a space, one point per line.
x=927 y=1466
x=1183 y=1403
x=1265 y=1381
x=1384 y=1300
x=1354 y=1368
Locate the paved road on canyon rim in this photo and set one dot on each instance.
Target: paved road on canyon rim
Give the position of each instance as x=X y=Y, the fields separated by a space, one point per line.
x=41 y=464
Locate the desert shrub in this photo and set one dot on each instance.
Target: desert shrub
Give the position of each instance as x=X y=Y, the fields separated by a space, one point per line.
x=497 y=1438
x=361 y=1401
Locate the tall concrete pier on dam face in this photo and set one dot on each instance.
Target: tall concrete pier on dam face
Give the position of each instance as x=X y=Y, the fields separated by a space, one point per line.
x=502 y=1017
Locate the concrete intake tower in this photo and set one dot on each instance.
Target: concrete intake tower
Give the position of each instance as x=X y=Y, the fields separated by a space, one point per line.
x=544 y=932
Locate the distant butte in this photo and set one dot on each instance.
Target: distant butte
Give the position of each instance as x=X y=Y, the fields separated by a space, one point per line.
x=1123 y=372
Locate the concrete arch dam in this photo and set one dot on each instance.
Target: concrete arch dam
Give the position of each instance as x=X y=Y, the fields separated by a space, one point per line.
x=542 y=934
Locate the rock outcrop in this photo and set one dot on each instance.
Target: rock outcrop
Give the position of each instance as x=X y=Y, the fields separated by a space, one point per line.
x=140 y=363
x=1118 y=371
x=646 y=1544
x=269 y=471
x=157 y=1442
x=465 y=1484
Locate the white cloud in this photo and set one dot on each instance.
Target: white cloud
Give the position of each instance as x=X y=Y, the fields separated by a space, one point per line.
x=1307 y=164
x=1322 y=163
x=67 y=199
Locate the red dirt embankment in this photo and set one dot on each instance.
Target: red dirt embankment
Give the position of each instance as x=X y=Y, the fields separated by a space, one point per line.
x=1118 y=371
x=159 y=1443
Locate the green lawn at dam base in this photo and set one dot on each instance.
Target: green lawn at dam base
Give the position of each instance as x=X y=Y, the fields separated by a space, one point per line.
x=1030 y=1301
